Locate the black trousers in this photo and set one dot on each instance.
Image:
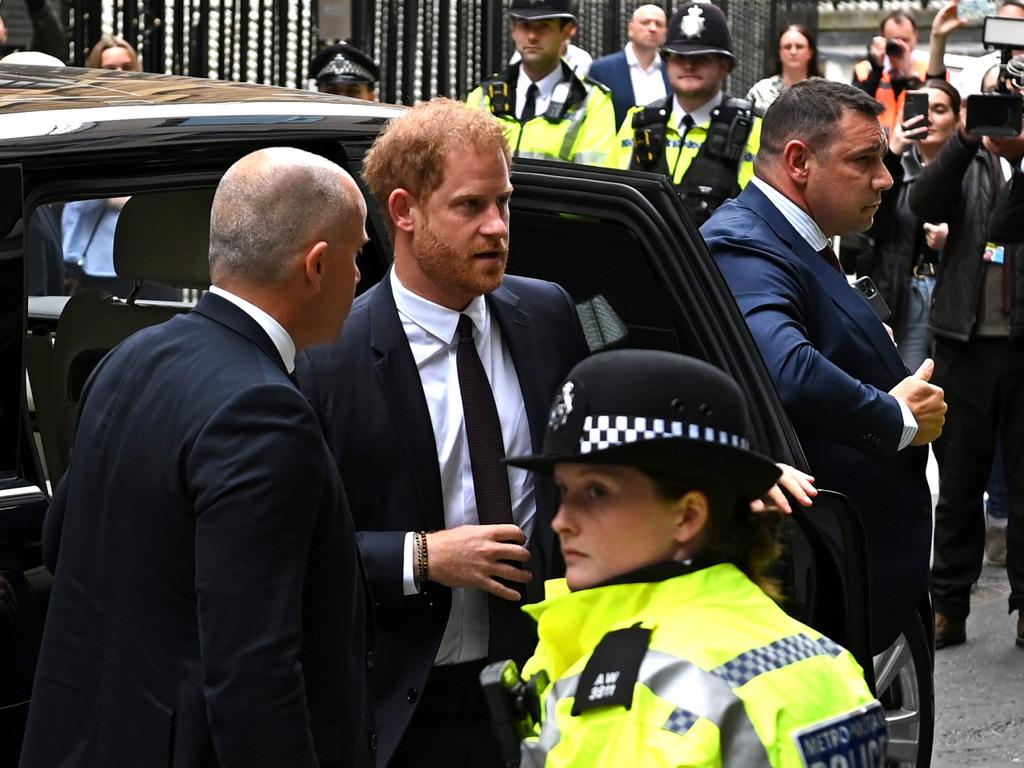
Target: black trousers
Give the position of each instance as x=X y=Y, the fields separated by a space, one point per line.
x=451 y=727
x=983 y=380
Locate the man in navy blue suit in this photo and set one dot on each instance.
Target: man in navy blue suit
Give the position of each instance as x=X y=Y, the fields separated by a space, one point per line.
x=636 y=75
x=208 y=605
x=444 y=367
x=862 y=420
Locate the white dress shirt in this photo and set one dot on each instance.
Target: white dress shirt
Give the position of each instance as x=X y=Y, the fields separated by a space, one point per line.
x=545 y=87
x=701 y=115
x=809 y=230
x=281 y=339
x=432 y=331
x=648 y=84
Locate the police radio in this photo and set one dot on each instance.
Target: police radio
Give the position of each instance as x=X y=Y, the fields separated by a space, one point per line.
x=514 y=706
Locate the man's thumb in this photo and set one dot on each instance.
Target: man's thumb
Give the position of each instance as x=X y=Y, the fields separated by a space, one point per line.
x=926 y=370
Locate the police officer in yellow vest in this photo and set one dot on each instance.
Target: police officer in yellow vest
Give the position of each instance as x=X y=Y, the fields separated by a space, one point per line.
x=661 y=646
x=547 y=111
x=699 y=136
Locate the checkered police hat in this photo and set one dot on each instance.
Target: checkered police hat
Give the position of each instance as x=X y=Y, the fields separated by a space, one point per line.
x=698 y=27
x=541 y=9
x=660 y=412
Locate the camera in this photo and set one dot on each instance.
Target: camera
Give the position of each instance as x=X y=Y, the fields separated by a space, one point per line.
x=893 y=47
x=1000 y=114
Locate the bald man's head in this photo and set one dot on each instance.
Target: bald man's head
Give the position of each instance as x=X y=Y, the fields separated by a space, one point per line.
x=648 y=28
x=269 y=207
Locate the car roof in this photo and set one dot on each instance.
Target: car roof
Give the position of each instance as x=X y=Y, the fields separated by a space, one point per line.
x=55 y=108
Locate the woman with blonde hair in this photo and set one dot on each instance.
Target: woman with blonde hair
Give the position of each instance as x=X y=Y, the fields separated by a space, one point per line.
x=113 y=52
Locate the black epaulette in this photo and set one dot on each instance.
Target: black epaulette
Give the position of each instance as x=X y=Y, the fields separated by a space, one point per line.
x=588 y=80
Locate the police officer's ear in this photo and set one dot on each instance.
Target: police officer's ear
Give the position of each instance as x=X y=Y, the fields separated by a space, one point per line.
x=401 y=205
x=692 y=510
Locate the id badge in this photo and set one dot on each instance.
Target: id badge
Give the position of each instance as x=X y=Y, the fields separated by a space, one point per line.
x=993 y=253
x=854 y=740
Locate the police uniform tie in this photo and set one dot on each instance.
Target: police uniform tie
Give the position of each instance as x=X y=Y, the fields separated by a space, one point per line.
x=830 y=256
x=508 y=635
x=684 y=128
x=530 y=107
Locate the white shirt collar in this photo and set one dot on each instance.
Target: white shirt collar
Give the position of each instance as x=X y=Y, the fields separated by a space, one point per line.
x=701 y=115
x=794 y=214
x=278 y=335
x=544 y=86
x=633 y=61
x=439 y=322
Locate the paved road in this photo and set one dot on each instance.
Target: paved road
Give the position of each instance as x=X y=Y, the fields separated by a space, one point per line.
x=979 y=686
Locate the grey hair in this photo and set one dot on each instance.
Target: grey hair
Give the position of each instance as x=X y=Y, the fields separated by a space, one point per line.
x=267 y=206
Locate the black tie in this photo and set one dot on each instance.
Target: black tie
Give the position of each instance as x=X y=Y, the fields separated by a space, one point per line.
x=830 y=256
x=509 y=631
x=530 y=107
x=685 y=124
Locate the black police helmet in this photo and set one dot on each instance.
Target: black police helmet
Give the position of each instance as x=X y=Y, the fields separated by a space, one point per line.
x=698 y=27
x=660 y=412
x=541 y=9
x=344 y=63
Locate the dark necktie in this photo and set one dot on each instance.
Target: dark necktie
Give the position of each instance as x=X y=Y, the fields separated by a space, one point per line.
x=530 y=107
x=509 y=632
x=830 y=256
x=684 y=127
x=483 y=432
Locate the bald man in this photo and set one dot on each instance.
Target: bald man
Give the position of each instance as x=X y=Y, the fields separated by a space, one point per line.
x=636 y=74
x=208 y=605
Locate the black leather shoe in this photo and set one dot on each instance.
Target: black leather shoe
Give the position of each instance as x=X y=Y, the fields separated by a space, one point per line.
x=1020 y=629
x=950 y=631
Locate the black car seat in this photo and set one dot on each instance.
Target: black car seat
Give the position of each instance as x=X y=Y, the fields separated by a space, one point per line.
x=161 y=238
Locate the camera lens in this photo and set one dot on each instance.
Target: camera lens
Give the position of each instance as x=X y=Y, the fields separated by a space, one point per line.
x=892 y=47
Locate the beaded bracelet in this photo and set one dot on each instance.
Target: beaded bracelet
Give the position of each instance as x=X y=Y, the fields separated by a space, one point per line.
x=422 y=570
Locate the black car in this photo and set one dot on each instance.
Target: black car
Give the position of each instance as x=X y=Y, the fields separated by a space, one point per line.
x=154 y=147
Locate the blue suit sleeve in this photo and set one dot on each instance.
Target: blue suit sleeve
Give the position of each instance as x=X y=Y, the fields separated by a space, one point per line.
x=821 y=398
x=257 y=472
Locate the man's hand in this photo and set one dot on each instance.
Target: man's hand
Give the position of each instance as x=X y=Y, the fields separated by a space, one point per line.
x=876 y=51
x=935 y=235
x=925 y=401
x=472 y=555
x=794 y=482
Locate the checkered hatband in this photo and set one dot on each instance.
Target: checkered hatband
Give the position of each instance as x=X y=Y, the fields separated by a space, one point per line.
x=603 y=432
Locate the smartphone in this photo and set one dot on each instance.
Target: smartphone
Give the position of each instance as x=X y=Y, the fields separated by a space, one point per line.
x=995 y=114
x=976 y=10
x=867 y=289
x=916 y=104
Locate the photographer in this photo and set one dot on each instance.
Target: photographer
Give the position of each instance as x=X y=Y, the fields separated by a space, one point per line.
x=905 y=257
x=662 y=645
x=894 y=66
x=978 y=320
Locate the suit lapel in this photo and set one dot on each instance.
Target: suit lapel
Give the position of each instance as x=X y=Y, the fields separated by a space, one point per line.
x=396 y=370
x=834 y=284
x=222 y=311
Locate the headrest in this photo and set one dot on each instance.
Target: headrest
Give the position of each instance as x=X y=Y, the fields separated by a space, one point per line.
x=164 y=238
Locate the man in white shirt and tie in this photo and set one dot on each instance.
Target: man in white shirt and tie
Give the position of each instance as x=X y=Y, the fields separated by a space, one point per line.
x=445 y=366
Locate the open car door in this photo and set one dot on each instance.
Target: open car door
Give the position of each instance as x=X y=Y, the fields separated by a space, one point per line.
x=624 y=248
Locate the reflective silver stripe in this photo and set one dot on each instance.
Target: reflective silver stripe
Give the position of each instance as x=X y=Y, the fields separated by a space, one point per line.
x=536 y=155
x=575 y=125
x=781 y=653
x=590 y=158
x=689 y=687
x=534 y=753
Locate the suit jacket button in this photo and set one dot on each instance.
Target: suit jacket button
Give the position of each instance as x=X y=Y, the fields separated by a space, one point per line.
x=369 y=659
x=373 y=741
x=412 y=694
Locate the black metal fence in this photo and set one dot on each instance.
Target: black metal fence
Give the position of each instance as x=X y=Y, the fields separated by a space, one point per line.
x=443 y=47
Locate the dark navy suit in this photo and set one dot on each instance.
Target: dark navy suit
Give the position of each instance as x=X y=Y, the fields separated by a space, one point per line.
x=208 y=606
x=368 y=393
x=833 y=364
x=613 y=71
